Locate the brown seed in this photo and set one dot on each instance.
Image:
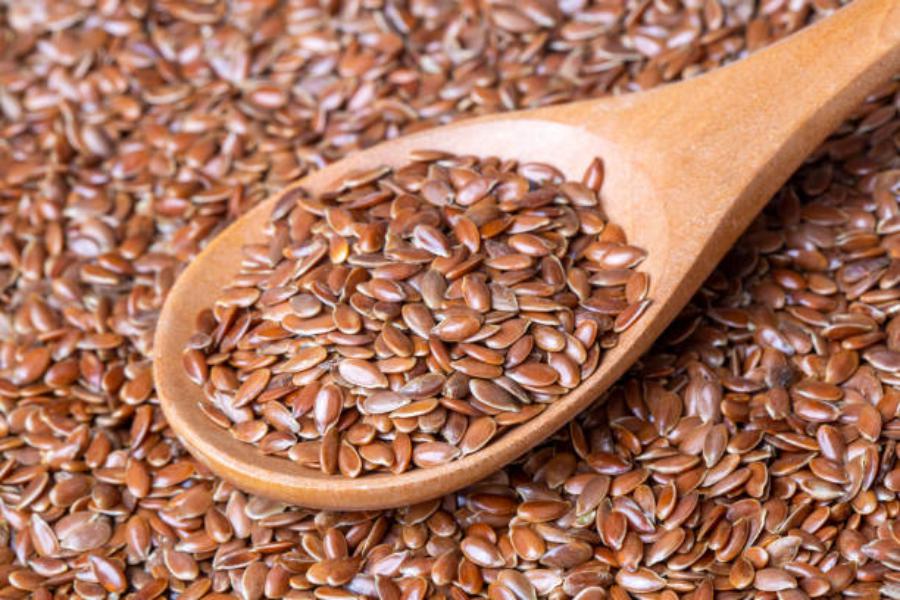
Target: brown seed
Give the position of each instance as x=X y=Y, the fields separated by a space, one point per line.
x=108 y=573
x=467 y=233
x=43 y=537
x=85 y=534
x=137 y=533
x=664 y=546
x=493 y=395
x=303 y=359
x=328 y=451
x=31 y=366
x=195 y=366
x=510 y=331
x=418 y=318
x=457 y=328
x=431 y=239
x=831 y=443
x=328 y=405
x=433 y=287
x=476 y=293
x=251 y=387
x=774 y=580
x=361 y=373
x=636 y=287
x=423 y=386
x=385 y=402
x=630 y=315
x=349 y=462
x=640 y=581
x=396 y=341
x=540 y=511
x=548 y=339
x=526 y=543
x=137 y=479
x=431 y=454
x=534 y=374
x=741 y=574
x=841 y=366
x=181 y=565
x=378 y=454
x=478 y=433
x=481 y=552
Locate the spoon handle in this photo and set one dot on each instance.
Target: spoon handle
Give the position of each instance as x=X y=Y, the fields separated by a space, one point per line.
x=752 y=124
x=717 y=147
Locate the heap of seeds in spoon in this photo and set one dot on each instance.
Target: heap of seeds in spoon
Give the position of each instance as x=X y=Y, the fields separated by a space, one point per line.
x=412 y=315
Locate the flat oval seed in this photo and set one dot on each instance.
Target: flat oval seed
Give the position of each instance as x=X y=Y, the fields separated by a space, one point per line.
x=251 y=387
x=361 y=373
x=479 y=432
x=396 y=340
x=305 y=358
x=774 y=580
x=328 y=405
x=384 y=402
x=432 y=454
x=457 y=328
x=481 y=552
x=640 y=581
x=548 y=339
x=534 y=374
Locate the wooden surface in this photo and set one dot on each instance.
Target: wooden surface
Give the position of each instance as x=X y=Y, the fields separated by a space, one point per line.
x=688 y=167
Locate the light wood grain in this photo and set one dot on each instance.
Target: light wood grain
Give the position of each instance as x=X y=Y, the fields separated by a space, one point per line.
x=688 y=167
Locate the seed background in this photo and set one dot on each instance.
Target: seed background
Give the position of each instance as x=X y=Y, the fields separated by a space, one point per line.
x=753 y=449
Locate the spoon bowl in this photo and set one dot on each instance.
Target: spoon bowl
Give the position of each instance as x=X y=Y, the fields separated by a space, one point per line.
x=687 y=168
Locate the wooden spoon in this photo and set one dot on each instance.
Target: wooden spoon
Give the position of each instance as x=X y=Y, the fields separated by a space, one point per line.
x=688 y=166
